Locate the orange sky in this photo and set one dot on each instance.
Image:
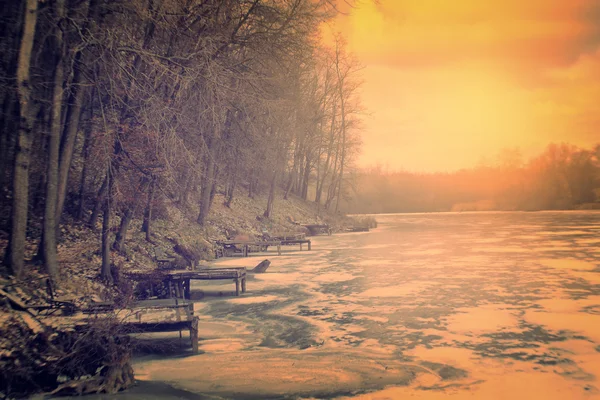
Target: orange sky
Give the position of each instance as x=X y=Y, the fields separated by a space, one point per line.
x=449 y=82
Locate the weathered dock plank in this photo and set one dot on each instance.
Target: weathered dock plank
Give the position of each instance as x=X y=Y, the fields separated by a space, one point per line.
x=147 y=316
x=180 y=281
x=246 y=246
x=291 y=242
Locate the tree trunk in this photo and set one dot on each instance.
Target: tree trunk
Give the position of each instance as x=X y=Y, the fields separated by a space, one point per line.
x=99 y=203
x=269 y=211
x=290 y=182
x=230 y=189
x=205 y=189
x=7 y=143
x=105 y=273
x=85 y=153
x=118 y=244
x=20 y=205
x=213 y=186
x=342 y=159
x=343 y=117
x=68 y=144
x=326 y=167
x=146 y=227
x=50 y=209
x=305 y=179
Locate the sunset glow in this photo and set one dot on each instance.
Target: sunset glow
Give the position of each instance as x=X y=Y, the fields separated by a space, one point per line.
x=450 y=83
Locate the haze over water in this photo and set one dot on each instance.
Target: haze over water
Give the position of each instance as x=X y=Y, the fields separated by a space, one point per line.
x=474 y=305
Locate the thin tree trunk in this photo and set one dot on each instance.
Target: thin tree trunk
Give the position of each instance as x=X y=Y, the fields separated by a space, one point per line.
x=288 y=187
x=50 y=209
x=16 y=249
x=343 y=117
x=213 y=187
x=99 y=203
x=328 y=159
x=73 y=116
x=68 y=145
x=269 y=211
x=205 y=190
x=231 y=189
x=85 y=153
x=306 y=178
x=146 y=225
x=105 y=273
x=118 y=244
x=7 y=142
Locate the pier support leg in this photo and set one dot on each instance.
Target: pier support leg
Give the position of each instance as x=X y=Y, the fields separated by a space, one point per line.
x=243 y=285
x=237 y=287
x=187 y=289
x=245 y=251
x=309 y=245
x=170 y=288
x=279 y=249
x=194 y=335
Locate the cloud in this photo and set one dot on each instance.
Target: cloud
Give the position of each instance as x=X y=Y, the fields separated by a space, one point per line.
x=518 y=35
x=448 y=82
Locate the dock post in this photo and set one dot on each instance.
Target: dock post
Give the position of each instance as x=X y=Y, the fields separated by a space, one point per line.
x=308 y=244
x=194 y=334
x=170 y=285
x=244 y=285
x=279 y=249
x=245 y=251
x=187 y=289
x=237 y=287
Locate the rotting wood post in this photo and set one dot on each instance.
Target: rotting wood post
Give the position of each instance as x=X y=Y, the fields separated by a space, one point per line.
x=187 y=289
x=243 y=285
x=279 y=249
x=245 y=250
x=308 y=244
x=178 y=293
x=170 y=288
x=237 y=287
x=194 y=334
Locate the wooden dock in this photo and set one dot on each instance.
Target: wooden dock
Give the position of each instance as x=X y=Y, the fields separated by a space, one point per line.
x=230 y=246
x=178 y=282
x=291 y=242
x=168 y=315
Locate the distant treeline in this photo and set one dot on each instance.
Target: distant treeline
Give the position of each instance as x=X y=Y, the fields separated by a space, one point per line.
x=562 y=177
x=112 y=109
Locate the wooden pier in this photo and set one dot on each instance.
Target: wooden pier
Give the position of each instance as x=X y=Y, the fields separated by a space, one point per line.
x=178 y=282
x=230 y=246
x=162 y=316
x=291 y=242
x=167 y=315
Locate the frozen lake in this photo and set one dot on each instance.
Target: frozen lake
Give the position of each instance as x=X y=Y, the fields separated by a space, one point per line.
x=427 y=306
